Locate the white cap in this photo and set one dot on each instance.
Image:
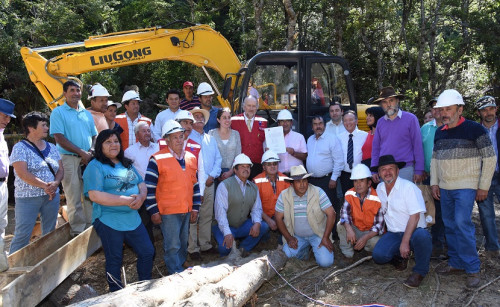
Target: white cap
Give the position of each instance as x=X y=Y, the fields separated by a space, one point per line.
x=204 y=89
x=171 y=126
x=131 y=95
x=112 y=103
x=97 y=90
x=184 y=114
x=242 y=159
x=284 y=115
x=360 y=171
x=270 y=156
x=449 y=98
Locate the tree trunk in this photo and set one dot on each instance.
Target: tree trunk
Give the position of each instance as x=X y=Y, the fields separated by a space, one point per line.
x=291 y=18
x=258 y=6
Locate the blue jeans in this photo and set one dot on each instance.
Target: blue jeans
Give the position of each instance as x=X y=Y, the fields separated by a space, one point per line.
x=175 y=230
x=112 y=244
x=323 y=256
x=243 y=231
x=437 y=230
x=456 y=207
x=420 y=243
x=27 y=209
x=487 y=216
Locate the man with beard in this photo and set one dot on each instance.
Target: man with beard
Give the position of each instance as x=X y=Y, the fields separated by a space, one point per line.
x=398 y=134
x=206 y=94
x=487 y=110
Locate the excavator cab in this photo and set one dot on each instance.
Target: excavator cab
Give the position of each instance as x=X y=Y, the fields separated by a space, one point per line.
x=304 y=82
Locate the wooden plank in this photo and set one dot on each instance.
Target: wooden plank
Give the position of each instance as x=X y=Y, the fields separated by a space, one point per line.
x=38 y=250
x=32 y=287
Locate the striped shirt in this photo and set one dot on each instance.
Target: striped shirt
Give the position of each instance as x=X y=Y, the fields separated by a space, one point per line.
x=190 y=104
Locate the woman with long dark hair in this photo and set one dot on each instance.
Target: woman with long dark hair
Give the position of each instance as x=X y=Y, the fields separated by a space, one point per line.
x=373 y=114
x=117 y=191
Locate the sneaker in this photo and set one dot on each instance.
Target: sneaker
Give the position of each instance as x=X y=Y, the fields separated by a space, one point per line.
x=448 y=270
x=414 y=280
x=473 y=280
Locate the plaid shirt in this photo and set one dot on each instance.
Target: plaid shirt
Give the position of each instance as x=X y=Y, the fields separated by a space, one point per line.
x=346 y=215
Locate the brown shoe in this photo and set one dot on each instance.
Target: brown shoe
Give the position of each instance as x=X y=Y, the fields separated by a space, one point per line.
x=400 y=264
x=413 y=280
x=448 y=270
x=473 y=280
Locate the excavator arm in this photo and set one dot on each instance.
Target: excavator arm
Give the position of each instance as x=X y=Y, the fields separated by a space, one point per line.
x=199 y=45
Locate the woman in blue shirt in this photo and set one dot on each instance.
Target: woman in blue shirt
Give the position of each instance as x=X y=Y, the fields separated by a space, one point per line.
x=117 y=191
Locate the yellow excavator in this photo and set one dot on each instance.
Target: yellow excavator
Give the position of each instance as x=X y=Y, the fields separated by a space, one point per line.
x=305 y=82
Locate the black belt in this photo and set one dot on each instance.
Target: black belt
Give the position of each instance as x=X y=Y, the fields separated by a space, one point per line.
x=3 y=179
x=327 y=175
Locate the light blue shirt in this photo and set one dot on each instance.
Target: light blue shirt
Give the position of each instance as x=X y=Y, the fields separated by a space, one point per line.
x=116 y=180
x=76 y=125
x=210 y=153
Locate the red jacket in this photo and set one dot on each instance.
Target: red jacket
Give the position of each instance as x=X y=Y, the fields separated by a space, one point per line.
x=251 y=142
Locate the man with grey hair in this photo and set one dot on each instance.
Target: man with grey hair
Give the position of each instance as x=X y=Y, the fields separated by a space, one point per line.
x=251 y=130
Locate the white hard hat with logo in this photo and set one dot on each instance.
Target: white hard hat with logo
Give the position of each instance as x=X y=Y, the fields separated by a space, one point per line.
x=360 y=171
x=171 y=126
x=284 y=115
x=131 y=95
x=184 y=114
x=449 y=98
x=97 y=90
x=204 y=89
x=270 y=156
x=112 y=103
x=242 y=159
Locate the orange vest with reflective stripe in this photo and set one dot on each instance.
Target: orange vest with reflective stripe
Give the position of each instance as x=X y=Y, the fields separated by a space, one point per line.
x=122 y=121
x=266 y=191
x=174 y=191
x=363 y=218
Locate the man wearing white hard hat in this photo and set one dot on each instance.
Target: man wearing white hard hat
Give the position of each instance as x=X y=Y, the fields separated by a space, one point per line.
x=206 y=93
x=238 y=210
x=98 y=97
x=270 y=183
x=173 y=199
x=130 y=118
x=463 y=163
x=305 y=218
x=173 y=101
x=200 y=236
x=296 y=148
x=361 y=220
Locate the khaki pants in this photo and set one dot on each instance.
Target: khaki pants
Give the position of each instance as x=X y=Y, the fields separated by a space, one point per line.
x=347 y=248
x=200 y=233
x=4 y=197
x=79 y=209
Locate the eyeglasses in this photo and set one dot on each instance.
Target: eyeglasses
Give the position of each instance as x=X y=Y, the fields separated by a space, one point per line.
x=272 y=163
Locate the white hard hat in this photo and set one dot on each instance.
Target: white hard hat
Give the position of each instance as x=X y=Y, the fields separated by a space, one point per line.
x=242 y=159
x=97 y=90
x=112 y=103
x=184 y=114
x=449 y=98
x=204 y=89
x=360 y=171
x=171 y=126
x=284 y=115
x=270 y=156
x=131 y=95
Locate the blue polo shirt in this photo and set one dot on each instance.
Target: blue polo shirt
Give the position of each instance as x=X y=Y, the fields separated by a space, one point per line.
x=76 y=125
x=212 y=120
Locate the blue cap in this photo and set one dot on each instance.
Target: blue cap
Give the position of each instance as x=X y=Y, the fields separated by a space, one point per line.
x=7 y=107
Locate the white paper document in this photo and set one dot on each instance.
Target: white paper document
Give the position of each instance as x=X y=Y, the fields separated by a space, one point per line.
x=275 y=139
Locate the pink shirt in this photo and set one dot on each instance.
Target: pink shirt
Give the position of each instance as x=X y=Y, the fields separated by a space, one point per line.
x=296 y=141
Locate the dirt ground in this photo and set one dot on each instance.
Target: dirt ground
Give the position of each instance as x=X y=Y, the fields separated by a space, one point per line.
x=367 y=283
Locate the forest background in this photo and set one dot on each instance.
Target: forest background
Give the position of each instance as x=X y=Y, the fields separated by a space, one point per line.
x=420 y=47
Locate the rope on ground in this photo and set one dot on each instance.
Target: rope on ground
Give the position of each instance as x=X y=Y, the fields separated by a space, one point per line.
x=294 y=278
x=347 y=268
x=479 y=289
x=433 y=302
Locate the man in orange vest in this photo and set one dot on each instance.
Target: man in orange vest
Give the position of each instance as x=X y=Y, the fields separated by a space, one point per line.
x=173 y=199
x=270 y=183
x=361 y=220
x=130 y=118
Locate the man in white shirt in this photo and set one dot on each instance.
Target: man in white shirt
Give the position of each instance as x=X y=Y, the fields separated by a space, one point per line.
x=296 y=149
x=335 y=125
x=173 y=100
x=325 y=162
x=351 y=140
x=403 y=207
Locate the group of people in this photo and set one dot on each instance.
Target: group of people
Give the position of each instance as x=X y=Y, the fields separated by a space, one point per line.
x=197 y=171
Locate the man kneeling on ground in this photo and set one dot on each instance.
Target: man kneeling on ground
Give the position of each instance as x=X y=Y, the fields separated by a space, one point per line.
x=361 y=220
x=305 y=218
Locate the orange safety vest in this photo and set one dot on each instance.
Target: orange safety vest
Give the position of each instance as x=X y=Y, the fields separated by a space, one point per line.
x=266 y=192
x=363 y=218
x=191 y=146
x=251 y=142
x=122 y=121
x=174 y=191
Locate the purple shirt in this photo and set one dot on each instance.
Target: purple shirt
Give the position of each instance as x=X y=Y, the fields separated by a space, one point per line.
x=401 y=138
x=4 y=156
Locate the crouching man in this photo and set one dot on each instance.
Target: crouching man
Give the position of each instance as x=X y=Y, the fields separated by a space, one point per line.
x=361 y=220
x=305 y=217
x=403 y=208
x=238 y=210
